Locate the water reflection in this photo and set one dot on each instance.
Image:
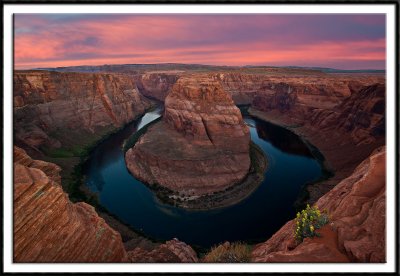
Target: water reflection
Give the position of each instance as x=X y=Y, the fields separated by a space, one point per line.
x=282 y=139
x=290 y=166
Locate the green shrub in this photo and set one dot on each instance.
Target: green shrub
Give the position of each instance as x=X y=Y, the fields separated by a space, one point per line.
x=308 y=221
x=236 y=252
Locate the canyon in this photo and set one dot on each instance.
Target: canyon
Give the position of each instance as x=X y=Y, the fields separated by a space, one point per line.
x=58 y=114
x=356 y=232
x=49 y=107
x=50 y=228
x=200 y=147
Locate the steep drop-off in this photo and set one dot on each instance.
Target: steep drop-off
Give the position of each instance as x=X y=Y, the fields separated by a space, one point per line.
x=61 y=110
x=49 y=228
x=356 y=231
x=343 y=115
x=346 y=133
x=312 y=89
x=200 y=147
x=156 y=84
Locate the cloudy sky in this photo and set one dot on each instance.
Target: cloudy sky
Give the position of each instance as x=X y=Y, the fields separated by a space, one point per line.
x=342 y=41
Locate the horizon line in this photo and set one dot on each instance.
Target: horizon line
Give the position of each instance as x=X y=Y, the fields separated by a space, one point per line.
x=199 y=64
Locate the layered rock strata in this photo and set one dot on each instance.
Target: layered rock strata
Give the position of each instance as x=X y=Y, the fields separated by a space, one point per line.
x=49 y=228
x=156 y=84
x=353 y=128
x=202 y=144
x=49 y=107
x=356 y=232
x=313 y=89
x=173 y=251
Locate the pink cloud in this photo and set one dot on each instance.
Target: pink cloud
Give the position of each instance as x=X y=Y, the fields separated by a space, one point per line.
x=183 y=39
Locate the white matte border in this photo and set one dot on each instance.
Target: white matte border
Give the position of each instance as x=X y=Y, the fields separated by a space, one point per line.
x=388 y=9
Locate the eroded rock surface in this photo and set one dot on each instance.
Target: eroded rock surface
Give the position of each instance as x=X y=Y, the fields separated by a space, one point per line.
x=173 y=251
x=356 y=232
x=156 y=85
x=202 y=144
x=50 y=107
x=49 y=228
x=311 y=88
x=345 y=134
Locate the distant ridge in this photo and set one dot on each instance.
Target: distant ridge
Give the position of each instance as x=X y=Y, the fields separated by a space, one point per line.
x=333 y=70
x=181 y=66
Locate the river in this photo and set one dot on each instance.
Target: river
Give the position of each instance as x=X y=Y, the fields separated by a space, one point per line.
x=290 y=166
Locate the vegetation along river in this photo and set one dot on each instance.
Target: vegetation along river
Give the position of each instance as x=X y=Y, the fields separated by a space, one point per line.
x=291 y=165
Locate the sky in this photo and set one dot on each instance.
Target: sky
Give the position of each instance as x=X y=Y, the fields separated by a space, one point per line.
x=343 y=41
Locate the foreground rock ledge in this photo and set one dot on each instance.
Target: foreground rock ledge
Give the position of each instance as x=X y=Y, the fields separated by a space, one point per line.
x=356 y=232
x=49 y=228
x=200 y=147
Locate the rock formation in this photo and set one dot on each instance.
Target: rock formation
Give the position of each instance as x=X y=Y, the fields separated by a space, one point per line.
x=156 y=84
x=50 y=107
x=362 y=115
x=312 y=88
x=356 y=232
x=49 y=228
x=173 y=251
x=352 y=128
x=200 y=147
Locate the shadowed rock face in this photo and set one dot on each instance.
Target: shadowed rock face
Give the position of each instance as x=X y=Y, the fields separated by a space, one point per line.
x=345 y=133
x=202 y=144
x=312 y=89
x=85 y=103
x=362 y=115
x=357 y=209
x=156 y=85
x=49 y=228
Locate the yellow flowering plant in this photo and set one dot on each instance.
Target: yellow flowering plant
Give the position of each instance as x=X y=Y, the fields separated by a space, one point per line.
x=308 y=220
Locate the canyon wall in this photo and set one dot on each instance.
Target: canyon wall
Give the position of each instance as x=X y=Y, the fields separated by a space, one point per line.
x=156 y=85
x=345 y=134
x=202 y=144
x=311 y=89
x=53 y=109
x=49 y=228
x=202 y=141
x=356 y=231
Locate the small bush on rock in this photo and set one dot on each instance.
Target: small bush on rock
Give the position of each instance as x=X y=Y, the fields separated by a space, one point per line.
x=236 y=252
x=308 y=221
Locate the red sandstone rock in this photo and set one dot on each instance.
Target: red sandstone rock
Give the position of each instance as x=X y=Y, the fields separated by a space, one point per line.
x=156 y=85
x=173 y=251
x=202 y=146
x=49 y=228
x=200 y=109
x=356 y=231
x=46 y=102
x=353 y=128
x=312 y=88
